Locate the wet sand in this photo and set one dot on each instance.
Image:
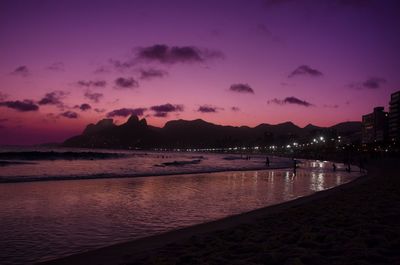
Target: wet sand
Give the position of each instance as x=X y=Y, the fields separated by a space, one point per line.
x=356 y=223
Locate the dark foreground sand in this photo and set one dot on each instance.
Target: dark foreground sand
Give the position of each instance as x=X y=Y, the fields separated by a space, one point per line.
x=356 y=223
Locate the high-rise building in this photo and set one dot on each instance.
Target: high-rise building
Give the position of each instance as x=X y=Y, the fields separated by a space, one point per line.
x=394 y=117
x=374 y=126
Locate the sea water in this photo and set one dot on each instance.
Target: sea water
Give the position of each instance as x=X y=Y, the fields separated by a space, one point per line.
x=43 y=220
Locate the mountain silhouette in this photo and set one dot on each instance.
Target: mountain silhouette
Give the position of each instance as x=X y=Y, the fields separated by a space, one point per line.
x=197 y=133
x=347 y=127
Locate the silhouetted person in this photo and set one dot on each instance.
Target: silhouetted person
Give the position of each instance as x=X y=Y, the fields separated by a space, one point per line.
x=334 y=167
x=361 y=165
x=294 y=166
x=267 y=161
x=365 y=162
x=348 y=169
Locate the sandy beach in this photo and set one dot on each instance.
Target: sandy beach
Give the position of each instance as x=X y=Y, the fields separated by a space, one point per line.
x=356 y=223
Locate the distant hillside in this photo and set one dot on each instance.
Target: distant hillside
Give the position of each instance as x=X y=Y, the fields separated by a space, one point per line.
x=347 y=127
x=198 y=133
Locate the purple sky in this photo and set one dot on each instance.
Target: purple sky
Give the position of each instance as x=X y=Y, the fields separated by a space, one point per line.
x=65 y=64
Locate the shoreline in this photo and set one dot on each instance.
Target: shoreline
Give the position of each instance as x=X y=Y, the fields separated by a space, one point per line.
x=131 y=251
x=20 y=179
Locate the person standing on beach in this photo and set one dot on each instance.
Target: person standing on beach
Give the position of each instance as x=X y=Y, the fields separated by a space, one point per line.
x=267 y=161
x=334 y=167
x=361 y=165
x=348 y=167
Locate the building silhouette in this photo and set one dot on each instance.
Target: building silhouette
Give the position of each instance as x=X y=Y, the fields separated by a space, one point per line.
x=375 y=126
x=394 y=117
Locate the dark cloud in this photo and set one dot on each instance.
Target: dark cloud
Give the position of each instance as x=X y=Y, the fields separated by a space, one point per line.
x=374 y=82
x=208 y=109
x=167 y=108
x=95 y=97
x=241 y=88
x=169 y=55
x=125 y=112
x=24 y=106
x=21 y=71
x=290 y=100
x=70 y=114
x=122 y=65
x=97 y=83
x=235 y=109
x=370 y=83
x=126 y=83
x=164 y=54
x=305 y=70
x=57 y=67
x=152 y=73
x=163 y=110
x=53 y=98
x=294 y=100
x=84 y=107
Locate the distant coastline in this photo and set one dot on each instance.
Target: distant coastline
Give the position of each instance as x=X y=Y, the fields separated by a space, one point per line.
x=199 y=134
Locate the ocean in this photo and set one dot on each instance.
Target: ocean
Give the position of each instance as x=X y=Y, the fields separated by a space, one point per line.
x=58 y=202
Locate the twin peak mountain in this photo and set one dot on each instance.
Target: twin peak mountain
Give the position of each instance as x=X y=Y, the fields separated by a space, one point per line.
x=135 y=133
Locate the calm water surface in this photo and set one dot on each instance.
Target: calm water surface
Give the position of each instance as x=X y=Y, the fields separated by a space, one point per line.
x=51 y=219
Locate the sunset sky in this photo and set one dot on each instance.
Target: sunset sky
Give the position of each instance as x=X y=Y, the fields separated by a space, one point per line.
x=64 y=64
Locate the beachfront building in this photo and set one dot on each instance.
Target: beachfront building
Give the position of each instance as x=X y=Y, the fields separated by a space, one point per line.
x=394 y=117
x=374 y=126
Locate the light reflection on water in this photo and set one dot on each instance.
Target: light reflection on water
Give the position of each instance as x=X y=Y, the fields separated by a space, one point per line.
x=44 y=220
